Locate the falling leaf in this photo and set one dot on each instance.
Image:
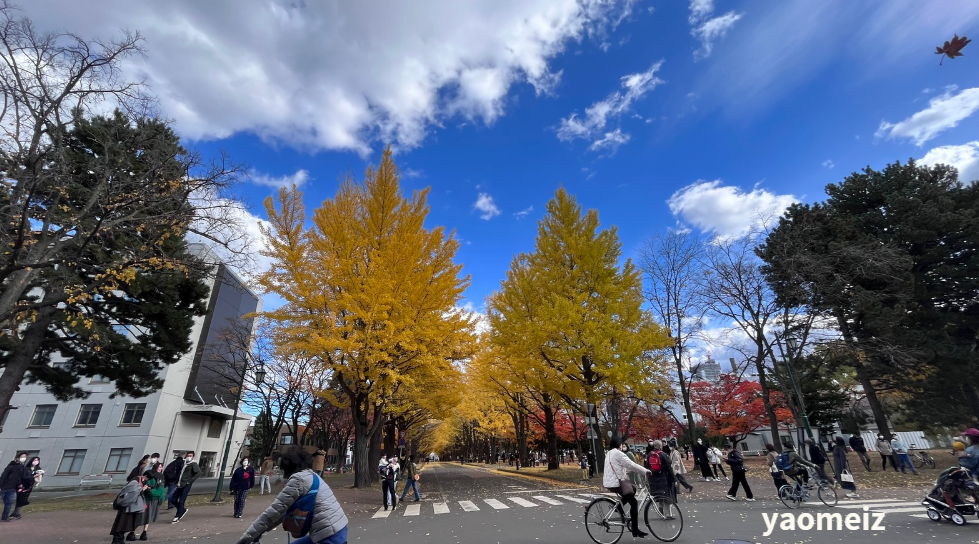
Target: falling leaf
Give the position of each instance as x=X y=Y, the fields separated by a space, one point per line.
x=952 y=48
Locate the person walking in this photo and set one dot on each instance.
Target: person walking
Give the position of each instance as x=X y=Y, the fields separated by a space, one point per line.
x=886 y=452
x=266 y=472
x=145 y=463
x=818 y=458
x=686 y=451
x=23 y=495
x=901 y=452
x=662 y=482
x=13 y=479
x=388 y=474
x=777 y=475
x=738 y=472
x=616 y=478
x=170 y=476
x=715 y=455
x=860 y=448
x=411 y=478
x=188 y=475
x=842 y=465
x=129 y=506
x=155 y=491
x=700 y=458
x=591 y=464
x=583 y=463
x=319 y=460
x=329 y=523
x=679 y=469
x=242 y=480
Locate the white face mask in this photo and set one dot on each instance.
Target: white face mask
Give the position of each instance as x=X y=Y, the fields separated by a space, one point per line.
x=190 y=458
x=244 y=463
x=23 y=460
x=153 y=460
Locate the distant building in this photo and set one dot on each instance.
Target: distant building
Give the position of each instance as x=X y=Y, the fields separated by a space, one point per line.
x=709 y=370
x=103 y=435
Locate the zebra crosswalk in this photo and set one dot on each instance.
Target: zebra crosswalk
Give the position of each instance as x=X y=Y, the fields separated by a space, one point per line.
x=886 y=506
x=438 y=508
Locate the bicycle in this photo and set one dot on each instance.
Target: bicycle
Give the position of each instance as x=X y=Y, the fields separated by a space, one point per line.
x=606 y=518
x=794 y=495
x=921 y=458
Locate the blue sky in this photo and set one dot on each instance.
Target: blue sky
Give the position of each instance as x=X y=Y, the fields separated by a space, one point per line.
x=656 y=113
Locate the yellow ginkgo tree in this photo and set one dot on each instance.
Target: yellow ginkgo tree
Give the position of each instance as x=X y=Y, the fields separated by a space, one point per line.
x=369 y=291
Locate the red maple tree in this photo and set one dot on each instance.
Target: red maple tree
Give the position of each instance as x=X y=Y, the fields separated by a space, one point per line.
x=732 y=407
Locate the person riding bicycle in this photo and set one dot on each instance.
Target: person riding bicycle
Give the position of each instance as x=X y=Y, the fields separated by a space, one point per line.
x=328 y=524
x=793 y=465
x=617 y=469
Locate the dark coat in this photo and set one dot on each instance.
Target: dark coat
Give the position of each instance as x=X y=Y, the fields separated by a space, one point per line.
x=172 y=471
x=243 y=479
x=660 y=482
x=735 y=461
x=816 y=454
x=14 y=476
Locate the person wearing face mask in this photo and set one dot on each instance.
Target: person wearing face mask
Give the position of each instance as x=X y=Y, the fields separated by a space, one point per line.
x=153 y=493
x=241 y=481
x=886 y=453
x=145 y=463
x=34 y=469
x=617 y=470
x=170 y=476
x=13 y=479
x=188 y=475
x=700 y=456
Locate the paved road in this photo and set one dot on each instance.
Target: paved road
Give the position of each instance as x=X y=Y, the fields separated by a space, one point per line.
x=473 y=504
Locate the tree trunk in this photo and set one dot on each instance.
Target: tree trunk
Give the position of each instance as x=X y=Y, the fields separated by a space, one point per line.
x=22 y=358
x=766 y=399
x=863 y=376
x=364 y=430
x=550 y=431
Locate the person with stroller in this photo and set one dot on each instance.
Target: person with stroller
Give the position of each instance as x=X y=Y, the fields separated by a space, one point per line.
x=969 y=459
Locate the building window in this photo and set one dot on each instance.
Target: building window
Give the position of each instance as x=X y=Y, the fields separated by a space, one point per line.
x=214 y=429
x=133 y=414
x=118 y=459
x=99 y=379
x=43 y=415
x=286 y=440
x=71 y=462
x=88 y=415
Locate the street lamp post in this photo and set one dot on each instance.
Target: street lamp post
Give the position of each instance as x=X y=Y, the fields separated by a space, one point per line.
x=259 y=378
x=792 y=344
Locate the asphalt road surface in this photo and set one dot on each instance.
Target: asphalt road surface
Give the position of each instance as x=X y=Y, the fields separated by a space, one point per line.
x=476 y=505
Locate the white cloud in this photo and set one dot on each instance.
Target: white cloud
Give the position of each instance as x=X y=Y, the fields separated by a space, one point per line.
x=412 y=173
x=297 y=179
x=943 y=112
x=338 y=75
x=708 y=29
x=611 y=141
x=964 y=157
x=592 y=125
x=725 y=210
x=828 y=164
x=485 y=204
x=524 y=212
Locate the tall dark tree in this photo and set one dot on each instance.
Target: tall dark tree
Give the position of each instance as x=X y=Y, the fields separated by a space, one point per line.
x=137 y=316
x=889 y=257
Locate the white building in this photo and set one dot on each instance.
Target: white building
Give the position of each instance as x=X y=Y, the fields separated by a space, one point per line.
x=103 y=435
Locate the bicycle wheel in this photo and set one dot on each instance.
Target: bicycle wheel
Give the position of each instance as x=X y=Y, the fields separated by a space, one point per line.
x=930 y=461
x=663 y=519
x=827 y=495
x=604 y=521
x=788 y=496
x=917 y=461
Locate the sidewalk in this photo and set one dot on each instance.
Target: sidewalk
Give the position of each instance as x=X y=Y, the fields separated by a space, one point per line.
x=212 y=521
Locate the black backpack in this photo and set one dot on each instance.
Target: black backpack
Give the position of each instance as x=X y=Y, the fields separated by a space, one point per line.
x=389 y=473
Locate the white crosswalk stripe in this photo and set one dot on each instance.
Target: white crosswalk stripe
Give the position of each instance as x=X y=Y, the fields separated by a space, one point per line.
x=547 y=500
x=381 y=513
x=441 y=508
x=523 y=502
x=880 y=505
x=413 y=510
x=468 y=506
x=496 y=504
x=574 y=499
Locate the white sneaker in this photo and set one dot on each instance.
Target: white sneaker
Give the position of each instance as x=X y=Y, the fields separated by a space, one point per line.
x=717 y=479
x=726 y=478
x=749 y=500
x=731 y=498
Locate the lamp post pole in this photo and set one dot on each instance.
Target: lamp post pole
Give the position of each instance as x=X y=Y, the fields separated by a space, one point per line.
x=259 y=377
x=792 y=345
